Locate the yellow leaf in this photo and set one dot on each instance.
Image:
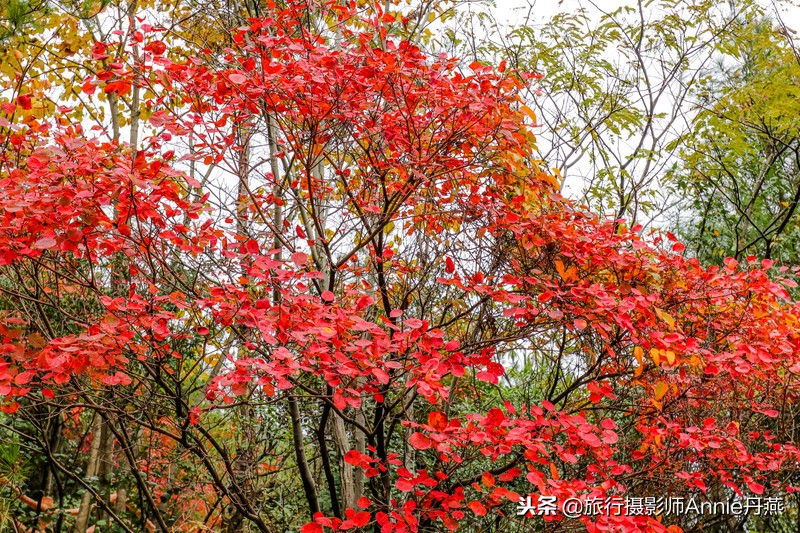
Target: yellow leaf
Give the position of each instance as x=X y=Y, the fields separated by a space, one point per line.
x=670 y=356
x=638 y=353
x=528 y=111
x=666 y=317
x=656 y=355
x=560 y=268
x=660 y=390
x=572 y=274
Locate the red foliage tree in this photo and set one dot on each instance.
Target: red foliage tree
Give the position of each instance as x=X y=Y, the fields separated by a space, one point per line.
x=393 y=253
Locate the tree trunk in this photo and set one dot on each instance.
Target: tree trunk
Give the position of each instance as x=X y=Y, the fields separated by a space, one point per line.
x=104 y=465
x=309 y=487
x=345 y=469
x=82 y=519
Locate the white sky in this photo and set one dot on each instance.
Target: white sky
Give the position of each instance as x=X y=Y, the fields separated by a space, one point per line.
x=515 y=12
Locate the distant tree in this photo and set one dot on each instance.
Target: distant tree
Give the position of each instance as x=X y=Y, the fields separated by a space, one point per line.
x=740 y=167
x=621 y=92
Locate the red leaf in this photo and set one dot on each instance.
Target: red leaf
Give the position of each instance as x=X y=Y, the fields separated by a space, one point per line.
x=24 y=101
x=299 y=258
x=546 y=296
x=156 y=47
x=44 y=243
x=10 y=408
x=420 y=441
x=160 y=329
x=404 y=485
x=756 y=488
x=23 y=378
x=252 y=246
x=311 y=527
x=494 y=417
x=413 y=323
x=361 y=519
x=437 y=420
x=610 y=437
x=381 y=375
x=477 y=508
x=452 y=346
x=238 y=79
x=355 y=458
x=363 y=502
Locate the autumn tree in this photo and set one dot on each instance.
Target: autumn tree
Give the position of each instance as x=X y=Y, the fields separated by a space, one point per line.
x=624 y=88
x=740 y=169
x=330 y=286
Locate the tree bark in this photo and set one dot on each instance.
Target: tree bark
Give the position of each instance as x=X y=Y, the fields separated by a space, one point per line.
x=309 y=487
x=82 y=519
x=345 y=469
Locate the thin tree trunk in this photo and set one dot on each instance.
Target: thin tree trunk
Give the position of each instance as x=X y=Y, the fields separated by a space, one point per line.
x=309 y=487
x=104 y=464
x=345 y=469
x=82 y=520
x=136 y=91
x=322 y=428
x=410 y=452
x=360 y=447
